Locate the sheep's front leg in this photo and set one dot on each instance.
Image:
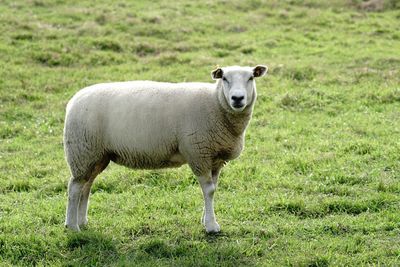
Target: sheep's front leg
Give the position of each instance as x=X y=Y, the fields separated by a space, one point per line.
x=208 y=186
x=215 y=176
x=74 y=194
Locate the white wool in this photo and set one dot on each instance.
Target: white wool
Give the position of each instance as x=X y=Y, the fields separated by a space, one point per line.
x=151 y=125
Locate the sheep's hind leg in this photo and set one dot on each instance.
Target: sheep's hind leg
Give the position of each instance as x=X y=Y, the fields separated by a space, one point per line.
x=84 y=198
x=83 y=205
x=74 y=193
x=208 y=186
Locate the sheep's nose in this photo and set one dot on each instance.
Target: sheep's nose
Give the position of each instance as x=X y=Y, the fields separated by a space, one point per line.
x=237 y=100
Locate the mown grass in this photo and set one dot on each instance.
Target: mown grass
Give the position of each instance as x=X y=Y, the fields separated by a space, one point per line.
x=317 y=185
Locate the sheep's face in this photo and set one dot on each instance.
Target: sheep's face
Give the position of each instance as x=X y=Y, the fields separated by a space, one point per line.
x=238 y=84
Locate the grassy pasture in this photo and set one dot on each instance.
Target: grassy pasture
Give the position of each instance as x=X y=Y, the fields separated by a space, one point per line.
x=317 y=185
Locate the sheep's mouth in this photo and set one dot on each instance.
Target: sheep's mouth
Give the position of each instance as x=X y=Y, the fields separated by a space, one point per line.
x=238 y=107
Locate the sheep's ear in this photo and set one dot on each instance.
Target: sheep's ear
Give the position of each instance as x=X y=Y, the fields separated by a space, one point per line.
x=217 y=74
x=260 y=70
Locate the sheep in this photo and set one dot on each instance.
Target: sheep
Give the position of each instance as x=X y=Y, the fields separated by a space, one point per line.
x=152 y=125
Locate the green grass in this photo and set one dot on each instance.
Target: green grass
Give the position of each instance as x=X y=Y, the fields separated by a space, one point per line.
x=317 y=185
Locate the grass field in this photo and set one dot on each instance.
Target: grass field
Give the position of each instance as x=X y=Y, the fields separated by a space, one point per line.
x=317 y=185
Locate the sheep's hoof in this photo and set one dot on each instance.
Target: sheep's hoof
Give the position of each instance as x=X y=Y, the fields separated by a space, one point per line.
x=72 y=227
x=212 y=228
x=83 y=224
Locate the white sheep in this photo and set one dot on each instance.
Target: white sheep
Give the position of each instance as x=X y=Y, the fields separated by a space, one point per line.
x=152 y=125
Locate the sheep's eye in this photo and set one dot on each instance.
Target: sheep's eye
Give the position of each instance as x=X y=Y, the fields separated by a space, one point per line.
x=223 y=78
x=251 y=78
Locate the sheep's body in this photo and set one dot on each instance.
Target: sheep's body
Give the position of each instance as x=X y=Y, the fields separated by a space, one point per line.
x=150 y=125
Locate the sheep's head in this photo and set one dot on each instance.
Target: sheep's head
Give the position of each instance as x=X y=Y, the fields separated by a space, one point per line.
x=238 y=84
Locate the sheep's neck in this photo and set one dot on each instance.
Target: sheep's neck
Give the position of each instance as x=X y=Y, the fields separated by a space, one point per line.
x=235 y=123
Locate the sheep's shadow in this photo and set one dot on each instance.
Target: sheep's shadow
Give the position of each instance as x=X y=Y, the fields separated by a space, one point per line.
x=204 y=249
x=214 y=237
x=88 y=248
